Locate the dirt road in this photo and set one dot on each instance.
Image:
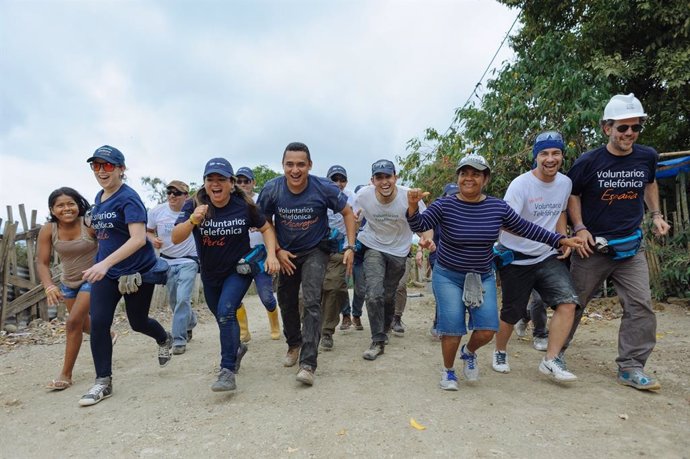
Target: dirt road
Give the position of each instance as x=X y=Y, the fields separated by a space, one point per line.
x=357 y=407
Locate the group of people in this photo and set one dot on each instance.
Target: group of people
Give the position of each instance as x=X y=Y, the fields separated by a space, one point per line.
x=310 y=231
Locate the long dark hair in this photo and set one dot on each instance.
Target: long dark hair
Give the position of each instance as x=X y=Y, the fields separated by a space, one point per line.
x=201 y=197
x=81 y=201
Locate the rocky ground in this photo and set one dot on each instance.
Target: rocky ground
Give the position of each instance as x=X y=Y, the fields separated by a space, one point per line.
x=356 y=407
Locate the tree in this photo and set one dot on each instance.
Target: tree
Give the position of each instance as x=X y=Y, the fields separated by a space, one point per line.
x=157 y=190
x=263 y=174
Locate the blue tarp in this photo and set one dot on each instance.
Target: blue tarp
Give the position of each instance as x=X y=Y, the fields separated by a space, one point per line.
x=672 y=167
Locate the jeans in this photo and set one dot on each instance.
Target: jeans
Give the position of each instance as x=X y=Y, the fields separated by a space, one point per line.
x=383 y=272
x=334 y=293
x=637 y=332
x=264 y=288
x=223 y=297
x=360 y=292
x=537 y=313
x=180 y=284
x=104 y=298
x=310 y=269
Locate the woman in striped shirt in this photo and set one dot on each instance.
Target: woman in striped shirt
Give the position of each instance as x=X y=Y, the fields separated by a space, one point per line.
x=463 y=280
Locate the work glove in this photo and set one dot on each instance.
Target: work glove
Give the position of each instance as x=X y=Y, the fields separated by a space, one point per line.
x=129 y=283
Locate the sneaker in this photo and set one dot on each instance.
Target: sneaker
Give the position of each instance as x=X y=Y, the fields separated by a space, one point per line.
x=500 y=362
x=521 y=328
x=556 y=369
x=164 y=354
x=346 y=323
x=448 y=380
x=241 y=351
x=179 y=349
x=398 y=326
x=357 y=322
x=225 y=382
x=305 y=375
x=540 y=344
x=635 y=377
x=374 y=351
x=291 y=357
x=327 y=342
x=103 y=388
x=470 y=369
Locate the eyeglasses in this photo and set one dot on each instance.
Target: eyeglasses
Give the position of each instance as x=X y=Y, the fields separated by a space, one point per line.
x=549 y=135
x=339 y=179
x=107 y=167
x=623 y=128
x=242 y=181
x=175 y=193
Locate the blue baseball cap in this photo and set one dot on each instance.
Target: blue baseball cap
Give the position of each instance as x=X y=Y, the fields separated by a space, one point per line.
x=110 y=154
x=219 y=166
x=333 y=170
x=548 y=139
x=450 y=189
x=246 y=172
x=383 y=166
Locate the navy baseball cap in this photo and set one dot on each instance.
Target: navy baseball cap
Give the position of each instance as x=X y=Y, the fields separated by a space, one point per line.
x=450 y=189
x=110 y=154
x=333 y=170
x=383 y=166
x=246 y=172
x=219 y=166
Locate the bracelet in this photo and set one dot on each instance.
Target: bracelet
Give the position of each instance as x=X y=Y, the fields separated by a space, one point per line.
x=191 y=220
x=579 y=227
x=657 y=213
x=278 y=249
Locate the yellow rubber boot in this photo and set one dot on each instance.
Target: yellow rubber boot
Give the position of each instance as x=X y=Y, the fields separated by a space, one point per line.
x=275 y=323
x=245 y=336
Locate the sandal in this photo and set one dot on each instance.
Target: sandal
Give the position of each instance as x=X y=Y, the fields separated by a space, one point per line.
x=58 y=384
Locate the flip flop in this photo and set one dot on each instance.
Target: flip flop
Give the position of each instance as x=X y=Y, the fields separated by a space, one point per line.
x=113 y=337
x=58 y=384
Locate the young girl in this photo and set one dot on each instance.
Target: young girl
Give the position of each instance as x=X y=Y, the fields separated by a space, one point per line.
x=76 y=245
x=219 y=217
x=119 y=219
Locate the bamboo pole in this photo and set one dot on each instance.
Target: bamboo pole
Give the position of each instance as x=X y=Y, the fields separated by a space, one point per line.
x=672 y=154
x=684 y=200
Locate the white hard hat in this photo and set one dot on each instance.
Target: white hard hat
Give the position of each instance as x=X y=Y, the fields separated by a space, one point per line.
x=622 y=107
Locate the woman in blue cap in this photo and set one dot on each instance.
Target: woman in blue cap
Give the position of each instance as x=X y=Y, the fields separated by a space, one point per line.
x=124 y=253
x=220 y=217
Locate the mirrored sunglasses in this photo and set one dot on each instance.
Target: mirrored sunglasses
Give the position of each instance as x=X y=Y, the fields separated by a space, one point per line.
x=549 y=135
x=107 y=167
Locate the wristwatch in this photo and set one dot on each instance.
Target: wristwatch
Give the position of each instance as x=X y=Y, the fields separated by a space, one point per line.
x=351 y=247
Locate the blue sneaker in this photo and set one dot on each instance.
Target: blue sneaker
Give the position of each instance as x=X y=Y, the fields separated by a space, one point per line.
x=635 y=377
x=470 y=369
x=448 y=380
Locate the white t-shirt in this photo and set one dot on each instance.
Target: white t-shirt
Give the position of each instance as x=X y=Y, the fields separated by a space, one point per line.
x=335 y=219
x=255 y=236
x=540 y=203
x=387 y=229
x=162 y=219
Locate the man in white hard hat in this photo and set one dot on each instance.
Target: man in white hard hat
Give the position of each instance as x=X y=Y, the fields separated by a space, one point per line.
x=611 y=185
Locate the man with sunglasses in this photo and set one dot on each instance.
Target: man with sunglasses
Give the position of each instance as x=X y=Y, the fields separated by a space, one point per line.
x=541 y=197
x=334 y=295
x=182 y=259
x=611 y=185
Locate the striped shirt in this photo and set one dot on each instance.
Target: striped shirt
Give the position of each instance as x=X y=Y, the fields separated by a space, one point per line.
x=469 y=230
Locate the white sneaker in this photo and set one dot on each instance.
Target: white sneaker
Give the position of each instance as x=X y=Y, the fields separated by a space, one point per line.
x=500 y=362
x=470 y=369
x=540 y=344
x=448 y=380
x=521 y=328
x=556 y=369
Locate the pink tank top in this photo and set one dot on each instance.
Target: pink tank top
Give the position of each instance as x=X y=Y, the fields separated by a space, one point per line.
x=76 y=255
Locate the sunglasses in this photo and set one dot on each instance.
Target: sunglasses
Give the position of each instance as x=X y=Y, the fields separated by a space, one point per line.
x=623 y=128
x=549 y=135
x=242 y=181
x=175 y=193
x=339 y=179
x=107 y=167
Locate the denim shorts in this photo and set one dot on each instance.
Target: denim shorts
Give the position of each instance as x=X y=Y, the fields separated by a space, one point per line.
x=550 y=278
x=451 y=310
x=68 y=293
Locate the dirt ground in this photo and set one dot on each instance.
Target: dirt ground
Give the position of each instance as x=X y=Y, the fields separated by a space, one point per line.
x=356 y=407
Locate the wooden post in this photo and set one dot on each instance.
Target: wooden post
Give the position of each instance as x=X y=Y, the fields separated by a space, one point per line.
x=6 y=246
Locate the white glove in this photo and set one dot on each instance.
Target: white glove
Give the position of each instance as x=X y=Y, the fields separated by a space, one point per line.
x=129 y=283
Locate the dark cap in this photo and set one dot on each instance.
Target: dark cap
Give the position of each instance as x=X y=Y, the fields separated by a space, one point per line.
x=110 y=154
x=450 y=189
x=473 y=160
x=246 y=172
x=383 y=166
x=219 y=166
x=179 y=185
x=334 y=170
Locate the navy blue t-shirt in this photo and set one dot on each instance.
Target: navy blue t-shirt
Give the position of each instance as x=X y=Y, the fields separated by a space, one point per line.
x=110 y=219
x=301 y=220
x=221 y=240
x=611 y=189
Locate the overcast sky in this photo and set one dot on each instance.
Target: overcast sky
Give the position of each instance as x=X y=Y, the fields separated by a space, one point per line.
x=174 y=83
